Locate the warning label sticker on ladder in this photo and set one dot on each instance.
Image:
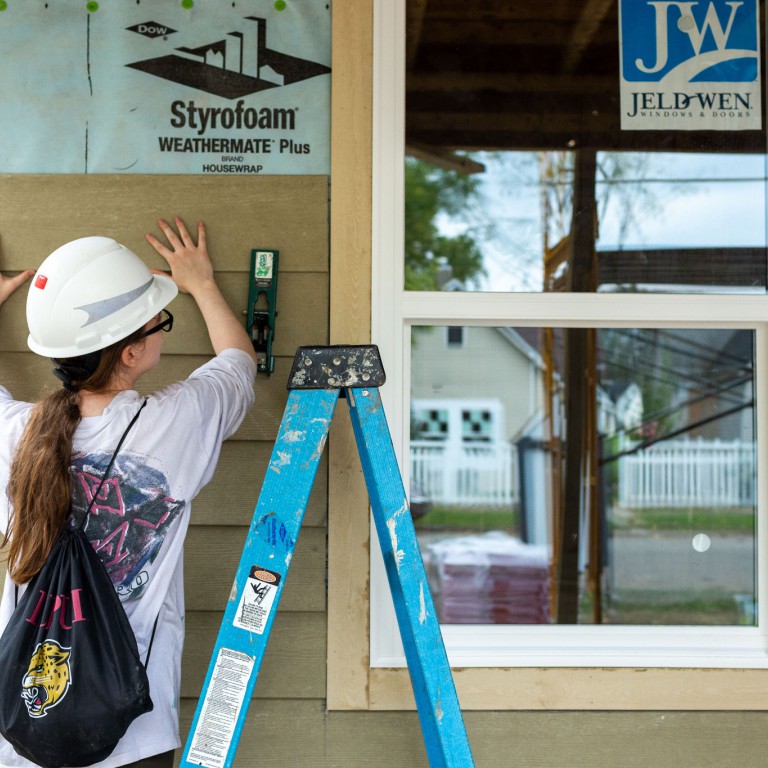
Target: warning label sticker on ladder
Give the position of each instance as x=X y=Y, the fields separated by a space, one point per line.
x=221 y=708
x=257 y=600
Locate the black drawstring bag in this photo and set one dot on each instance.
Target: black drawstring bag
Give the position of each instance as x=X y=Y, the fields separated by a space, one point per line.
x=71 y=680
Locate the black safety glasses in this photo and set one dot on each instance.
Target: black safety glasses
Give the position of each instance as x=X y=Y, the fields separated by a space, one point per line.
x=164 y=325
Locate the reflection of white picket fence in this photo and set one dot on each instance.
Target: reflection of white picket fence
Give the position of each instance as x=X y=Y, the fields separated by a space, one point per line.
x=677 y=473
x=465 y=474
x=683 y=473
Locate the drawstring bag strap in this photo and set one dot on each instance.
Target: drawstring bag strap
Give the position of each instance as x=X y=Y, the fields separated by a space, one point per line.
x=111 y=462
x=95 y=495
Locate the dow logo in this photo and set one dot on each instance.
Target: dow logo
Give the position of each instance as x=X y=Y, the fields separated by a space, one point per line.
x=712 y=41
x=151 y=29
x=232 y=66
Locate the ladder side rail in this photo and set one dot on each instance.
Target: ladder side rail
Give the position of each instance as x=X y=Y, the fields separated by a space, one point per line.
x=441 y=720
x=239 y=650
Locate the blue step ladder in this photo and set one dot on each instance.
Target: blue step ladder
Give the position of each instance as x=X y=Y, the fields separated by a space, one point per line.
x=319 y=376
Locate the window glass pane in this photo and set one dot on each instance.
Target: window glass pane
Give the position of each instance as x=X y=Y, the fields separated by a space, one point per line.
x=515 y=112
x=685 y=223
x=645 y=516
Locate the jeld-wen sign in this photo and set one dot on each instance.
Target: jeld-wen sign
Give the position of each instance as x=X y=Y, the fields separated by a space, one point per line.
x=690 y=65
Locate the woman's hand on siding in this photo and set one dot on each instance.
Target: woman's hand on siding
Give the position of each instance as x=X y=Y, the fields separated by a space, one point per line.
x=191 y=267
x=10 y=284
x=192 y=270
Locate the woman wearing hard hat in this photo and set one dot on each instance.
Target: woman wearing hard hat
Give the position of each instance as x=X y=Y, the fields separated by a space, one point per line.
x=98 y=312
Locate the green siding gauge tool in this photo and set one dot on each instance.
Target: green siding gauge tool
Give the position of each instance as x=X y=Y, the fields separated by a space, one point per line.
x=319 y=378
x=262 y=291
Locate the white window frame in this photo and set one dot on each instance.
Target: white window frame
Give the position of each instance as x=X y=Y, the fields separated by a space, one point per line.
x=395 y=312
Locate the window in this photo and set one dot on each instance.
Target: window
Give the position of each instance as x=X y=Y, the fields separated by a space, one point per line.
x=454 y=336
x=664 y=571
x=665 y=522
x=638 y=254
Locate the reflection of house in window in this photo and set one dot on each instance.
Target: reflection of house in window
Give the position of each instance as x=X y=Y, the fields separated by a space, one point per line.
x=474 y=390
x=454 y=336
x=477 y=425
x=430 y=423
x=459 y=455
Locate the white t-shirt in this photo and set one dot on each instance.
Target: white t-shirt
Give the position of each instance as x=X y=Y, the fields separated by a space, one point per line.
x=140 y=517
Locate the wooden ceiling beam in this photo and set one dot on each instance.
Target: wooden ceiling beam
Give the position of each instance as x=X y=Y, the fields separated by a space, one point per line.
x=584 y=32
x=446 y=159
x=472 y=32
x=498 y=122
x=516 y=10
x=510 y=83
x=561 y=138
x=414 y=24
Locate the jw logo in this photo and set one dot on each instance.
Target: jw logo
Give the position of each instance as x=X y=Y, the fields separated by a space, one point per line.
x=670 y=40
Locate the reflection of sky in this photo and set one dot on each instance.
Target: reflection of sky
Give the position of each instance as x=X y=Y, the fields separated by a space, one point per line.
x=704 y=200
x=685 y=200
x=507 y=222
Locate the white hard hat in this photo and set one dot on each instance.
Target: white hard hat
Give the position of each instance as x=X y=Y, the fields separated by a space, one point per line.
x=89 y=294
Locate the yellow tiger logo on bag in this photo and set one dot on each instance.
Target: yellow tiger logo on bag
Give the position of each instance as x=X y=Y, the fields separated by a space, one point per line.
x=47 y=679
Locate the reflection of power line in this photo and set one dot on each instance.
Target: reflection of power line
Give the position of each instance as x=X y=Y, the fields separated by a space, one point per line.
x=709 y=180
x=678 y=407
x=713 y=390
x=698 y=345
x=566 y=181
x=675 y=433
x=609 y=355
x=684 y=347
x=677 y=377
x=717 y=391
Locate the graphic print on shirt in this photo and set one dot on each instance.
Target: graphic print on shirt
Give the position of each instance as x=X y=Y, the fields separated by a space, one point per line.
x=129 y=518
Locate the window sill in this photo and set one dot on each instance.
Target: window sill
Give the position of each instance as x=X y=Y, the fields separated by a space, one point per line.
x=589 y=647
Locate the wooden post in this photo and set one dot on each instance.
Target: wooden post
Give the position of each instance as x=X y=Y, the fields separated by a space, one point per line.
x=580 y=389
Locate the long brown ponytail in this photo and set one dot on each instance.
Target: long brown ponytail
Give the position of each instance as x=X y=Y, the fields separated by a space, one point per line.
x=40 y=485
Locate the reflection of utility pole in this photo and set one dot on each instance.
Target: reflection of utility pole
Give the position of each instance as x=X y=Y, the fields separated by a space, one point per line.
x=579 y=491
x=552 y=261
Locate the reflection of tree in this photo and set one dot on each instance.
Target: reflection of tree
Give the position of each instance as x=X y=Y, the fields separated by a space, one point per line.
x=430 y=256
x=457 y=223
x=629 y=356
x=622 y=191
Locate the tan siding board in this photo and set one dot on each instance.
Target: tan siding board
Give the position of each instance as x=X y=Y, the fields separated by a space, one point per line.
x=301 y=734
x=276 y=733
x=289 y=213
x=28 y=376
x=230 y=498
x=25 y=375
x=293 y=666
x=302 y=313
x=211 y=557
x=302 y=320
